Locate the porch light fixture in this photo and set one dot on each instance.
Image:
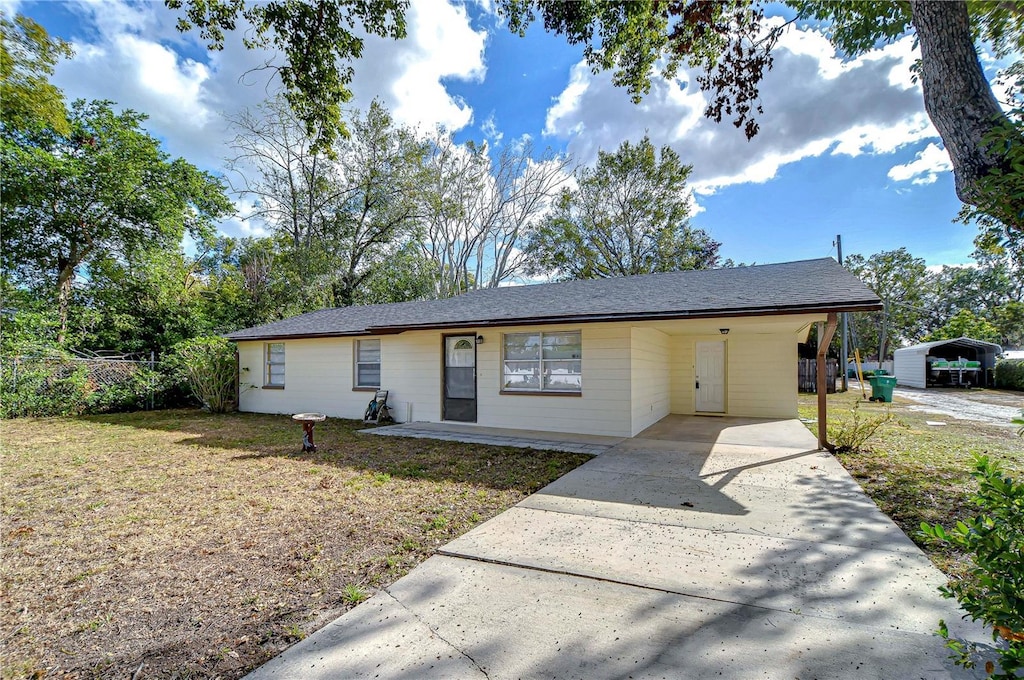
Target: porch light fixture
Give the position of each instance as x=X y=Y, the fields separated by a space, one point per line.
x=479 y=339
x=723 y=331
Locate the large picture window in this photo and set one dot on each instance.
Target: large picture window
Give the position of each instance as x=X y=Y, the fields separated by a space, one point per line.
x=368 y=363
x=274 y=376
x=543 y=362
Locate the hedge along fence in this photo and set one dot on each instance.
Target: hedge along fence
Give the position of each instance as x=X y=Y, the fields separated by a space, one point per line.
x=63 y=384
x=1010 y=374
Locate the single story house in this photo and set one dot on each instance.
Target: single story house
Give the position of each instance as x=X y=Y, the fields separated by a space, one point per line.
x=959 y=361
x=609 y=356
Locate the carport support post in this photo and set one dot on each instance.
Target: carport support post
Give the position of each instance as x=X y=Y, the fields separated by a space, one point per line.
x=825 y=333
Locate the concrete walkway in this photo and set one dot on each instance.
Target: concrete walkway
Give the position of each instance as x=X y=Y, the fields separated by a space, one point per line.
x=706 y=547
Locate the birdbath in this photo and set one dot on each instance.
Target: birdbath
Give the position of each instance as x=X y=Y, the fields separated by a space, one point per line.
x=308 y=420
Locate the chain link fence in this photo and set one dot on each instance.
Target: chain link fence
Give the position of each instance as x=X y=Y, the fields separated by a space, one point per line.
x=78 y=382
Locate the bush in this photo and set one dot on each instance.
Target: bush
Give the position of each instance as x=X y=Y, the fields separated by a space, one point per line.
x=57 y=386
x=850 y=434
x=1010 y=374
x=208 y=366
x=993 y=590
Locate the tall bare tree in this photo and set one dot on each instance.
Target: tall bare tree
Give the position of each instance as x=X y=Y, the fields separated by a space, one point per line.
x=477 y=212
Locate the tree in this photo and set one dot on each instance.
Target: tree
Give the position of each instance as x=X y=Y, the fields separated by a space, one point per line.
x=28 y=56
x=376 y=211
x=900 y=280
x=965 y=324
x=627 y=216
x=318 y=41
x=104 y=189
x=476 y=213
x=338 y=213
x=730 y=43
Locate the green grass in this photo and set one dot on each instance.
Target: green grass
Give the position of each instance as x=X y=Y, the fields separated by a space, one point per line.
x=201 y=545
x=920 y=473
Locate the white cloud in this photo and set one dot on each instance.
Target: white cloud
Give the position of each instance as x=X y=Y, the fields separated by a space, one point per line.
x=814 y=102
x=925 y=167
x=408 y=75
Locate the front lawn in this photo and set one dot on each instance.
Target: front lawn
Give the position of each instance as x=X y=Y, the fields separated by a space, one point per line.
x=184 y=544
x=917 y=472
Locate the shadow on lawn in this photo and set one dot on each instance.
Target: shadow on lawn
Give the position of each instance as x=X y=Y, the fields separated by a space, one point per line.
x=339 y=444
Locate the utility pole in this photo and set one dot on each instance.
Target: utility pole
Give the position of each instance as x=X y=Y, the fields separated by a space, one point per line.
x=843 y=350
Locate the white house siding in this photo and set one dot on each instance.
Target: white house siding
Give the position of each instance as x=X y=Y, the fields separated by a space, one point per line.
x=604 y=406
x=315 y=372
x=762 y=375
x=633 y=375
x=649 y=377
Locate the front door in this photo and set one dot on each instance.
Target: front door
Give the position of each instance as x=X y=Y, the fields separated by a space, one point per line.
x=460 y=378
x=710 y=377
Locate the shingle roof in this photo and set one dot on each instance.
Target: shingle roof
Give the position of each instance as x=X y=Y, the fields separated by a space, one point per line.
x=786 y=288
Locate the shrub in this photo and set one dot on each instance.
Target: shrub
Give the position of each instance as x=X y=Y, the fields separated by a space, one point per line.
x=208 y=366
x=850 y=434
x=58 y=386
x=1010 y=374
x=993 y=590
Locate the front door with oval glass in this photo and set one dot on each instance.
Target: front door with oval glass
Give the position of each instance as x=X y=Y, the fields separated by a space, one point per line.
x=460 y=378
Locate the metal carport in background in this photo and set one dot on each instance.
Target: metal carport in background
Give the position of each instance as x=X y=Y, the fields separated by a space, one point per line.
x=945 y=362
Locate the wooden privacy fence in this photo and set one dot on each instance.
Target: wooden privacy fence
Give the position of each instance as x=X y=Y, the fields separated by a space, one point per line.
x=807 y=375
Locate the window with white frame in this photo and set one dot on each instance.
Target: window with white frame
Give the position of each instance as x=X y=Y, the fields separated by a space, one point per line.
x=542 y=362
x=274 y=375
x=368 y=363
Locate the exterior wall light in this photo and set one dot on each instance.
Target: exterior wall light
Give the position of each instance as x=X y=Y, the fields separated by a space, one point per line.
x=479 y=339
x=723 y=331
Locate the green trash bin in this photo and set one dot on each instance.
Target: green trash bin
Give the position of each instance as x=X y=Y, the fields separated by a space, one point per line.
x=881 y=388
x=881 y=371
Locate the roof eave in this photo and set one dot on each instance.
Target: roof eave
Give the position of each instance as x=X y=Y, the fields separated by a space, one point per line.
x=852 y=306
x=857 y=306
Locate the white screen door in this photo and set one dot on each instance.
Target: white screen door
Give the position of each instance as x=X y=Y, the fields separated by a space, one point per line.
x=710 y=377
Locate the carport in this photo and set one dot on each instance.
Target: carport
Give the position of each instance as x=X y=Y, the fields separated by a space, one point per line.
x=962 y=361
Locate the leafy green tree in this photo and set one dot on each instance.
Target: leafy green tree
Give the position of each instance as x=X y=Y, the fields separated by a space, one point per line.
x=105 y=189
x=1008 y=318
x=730 y=43
x=628 y=215
x=900 y=280
x=337 y=214
x=965 y=324
x=28 y=56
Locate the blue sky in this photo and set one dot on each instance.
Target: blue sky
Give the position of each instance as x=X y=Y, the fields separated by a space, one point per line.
x=844 y=148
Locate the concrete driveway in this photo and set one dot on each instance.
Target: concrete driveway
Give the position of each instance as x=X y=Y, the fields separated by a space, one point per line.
x=705 y=547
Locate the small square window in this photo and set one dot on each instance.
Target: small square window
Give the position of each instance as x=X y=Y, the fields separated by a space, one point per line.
x=367 y=363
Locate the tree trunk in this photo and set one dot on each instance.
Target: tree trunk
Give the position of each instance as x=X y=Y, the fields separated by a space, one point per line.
x=65 y=277
x=957 y=96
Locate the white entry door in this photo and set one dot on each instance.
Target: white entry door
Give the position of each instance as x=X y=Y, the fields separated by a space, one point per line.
x=710 y=377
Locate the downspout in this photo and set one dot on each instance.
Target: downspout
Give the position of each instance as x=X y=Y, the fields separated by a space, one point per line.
x=825 y=333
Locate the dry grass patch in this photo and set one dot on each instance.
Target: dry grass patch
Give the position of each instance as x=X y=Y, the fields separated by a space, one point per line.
x=917 y=472
x=198 y=546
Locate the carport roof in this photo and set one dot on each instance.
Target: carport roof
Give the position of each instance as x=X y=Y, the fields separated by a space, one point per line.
x=808 y=286
x=959 y=342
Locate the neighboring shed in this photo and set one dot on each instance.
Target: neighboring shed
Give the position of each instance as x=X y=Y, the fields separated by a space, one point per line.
x=963 y=361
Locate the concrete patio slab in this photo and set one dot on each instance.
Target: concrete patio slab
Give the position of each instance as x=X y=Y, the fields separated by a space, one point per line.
x=688 y=552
